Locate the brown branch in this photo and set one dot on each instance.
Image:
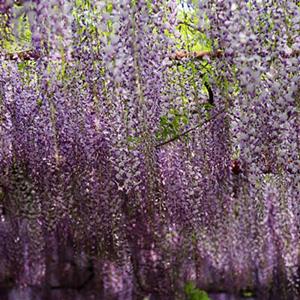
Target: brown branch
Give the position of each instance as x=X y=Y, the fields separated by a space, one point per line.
x=179 y=55
x=176 y=137
x=182 y=54
x=22 y=55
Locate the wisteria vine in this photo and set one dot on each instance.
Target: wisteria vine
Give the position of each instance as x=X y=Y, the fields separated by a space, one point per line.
x=142 y=163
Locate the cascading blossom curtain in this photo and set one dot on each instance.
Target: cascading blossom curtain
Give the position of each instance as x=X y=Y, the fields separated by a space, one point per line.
x=98 y=197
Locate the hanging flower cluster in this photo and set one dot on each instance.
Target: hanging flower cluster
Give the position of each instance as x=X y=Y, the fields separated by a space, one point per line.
x=127 y=171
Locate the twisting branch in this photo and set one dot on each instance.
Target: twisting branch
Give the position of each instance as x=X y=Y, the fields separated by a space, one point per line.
x=210 y=94
x=176 y=137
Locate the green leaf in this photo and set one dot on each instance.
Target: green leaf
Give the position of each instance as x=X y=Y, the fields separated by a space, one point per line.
x=21 y=66
x=208 y=106
x=193 y=293
x=247 y=294
x=164 y=120
x=39 y=102
x=185 y=120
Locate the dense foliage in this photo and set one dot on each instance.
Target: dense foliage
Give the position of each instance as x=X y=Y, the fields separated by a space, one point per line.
x=112 y=157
